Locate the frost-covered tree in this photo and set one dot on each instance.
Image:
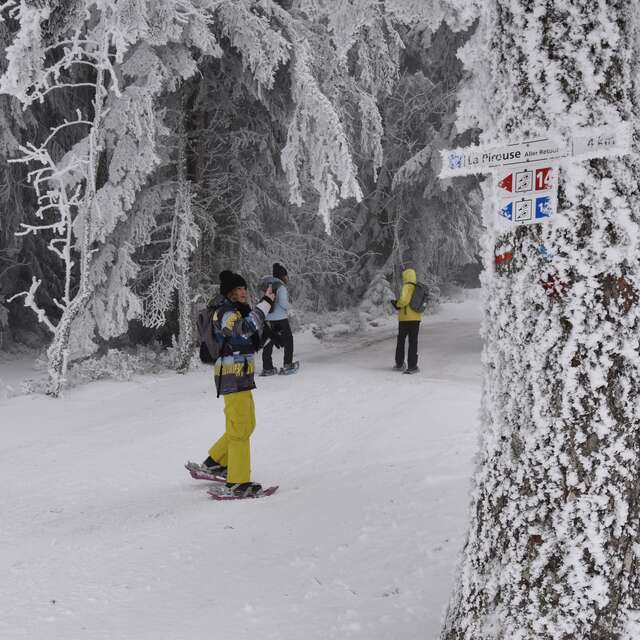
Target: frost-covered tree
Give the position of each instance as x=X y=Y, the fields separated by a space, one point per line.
x=20 y=257
x=285 y=121
x=408 y=215
x=377 y=299
x=239 y=135
x=110 y=51
x=436 y=224
x=118 y=57
x=268 y=38
x=552 y=550
x=170 y=272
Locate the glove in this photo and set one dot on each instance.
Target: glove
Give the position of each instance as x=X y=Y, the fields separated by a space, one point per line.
x=244 y=309
x=269 y=334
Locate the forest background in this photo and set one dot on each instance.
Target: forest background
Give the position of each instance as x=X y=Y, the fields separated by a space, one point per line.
x=295 y=131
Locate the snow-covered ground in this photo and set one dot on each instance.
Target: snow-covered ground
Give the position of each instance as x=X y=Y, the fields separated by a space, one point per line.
x=103 y=535
x=16 y=370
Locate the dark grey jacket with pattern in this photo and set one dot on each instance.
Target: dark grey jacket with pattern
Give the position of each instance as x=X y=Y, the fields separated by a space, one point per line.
x=235 y=369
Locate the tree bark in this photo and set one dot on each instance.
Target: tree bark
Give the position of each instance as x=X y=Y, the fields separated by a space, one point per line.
x=183 y=218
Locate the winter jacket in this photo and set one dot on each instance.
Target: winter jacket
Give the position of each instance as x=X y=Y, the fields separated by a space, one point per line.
x=280 y=309
x=405 y=312
x=234 y=370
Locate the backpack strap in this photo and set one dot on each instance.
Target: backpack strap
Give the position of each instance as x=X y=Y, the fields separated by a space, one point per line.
x=408 y=303
x=220 y=357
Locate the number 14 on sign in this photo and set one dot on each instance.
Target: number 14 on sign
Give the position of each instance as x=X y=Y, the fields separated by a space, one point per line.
x=526 y=180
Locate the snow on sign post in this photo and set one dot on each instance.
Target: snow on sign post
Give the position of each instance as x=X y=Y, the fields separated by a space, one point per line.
x=526 y=173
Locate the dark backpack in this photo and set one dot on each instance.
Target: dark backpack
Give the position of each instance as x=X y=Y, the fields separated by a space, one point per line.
x=210 y=342
x=419 y=298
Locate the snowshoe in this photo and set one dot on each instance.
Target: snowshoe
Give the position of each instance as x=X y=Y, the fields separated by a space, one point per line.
x=240 y=491
x=413 y=370
x=213 y=473
x=268 y=372
x=288 y=369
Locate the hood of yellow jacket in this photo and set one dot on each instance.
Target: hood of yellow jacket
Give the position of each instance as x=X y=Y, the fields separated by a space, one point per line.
x=409 y=276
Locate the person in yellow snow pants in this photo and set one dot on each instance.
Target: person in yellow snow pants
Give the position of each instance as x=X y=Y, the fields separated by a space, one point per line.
x=237 y=328
x=232 y=449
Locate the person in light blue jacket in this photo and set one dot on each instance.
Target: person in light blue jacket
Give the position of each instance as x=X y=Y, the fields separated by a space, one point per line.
x=278 y=320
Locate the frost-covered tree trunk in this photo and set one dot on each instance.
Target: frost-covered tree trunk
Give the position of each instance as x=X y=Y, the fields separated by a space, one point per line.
x=185 y=245
x=552 y=548
x=57 y=192
x=179 y=236
x=58 y=351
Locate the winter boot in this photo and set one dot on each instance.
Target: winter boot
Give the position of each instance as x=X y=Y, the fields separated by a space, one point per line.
x=288 y=369
x=214 y=468
x=268 y=372
x=398 y=367
x=197 y=471
x=244 y=489
x=413 y=370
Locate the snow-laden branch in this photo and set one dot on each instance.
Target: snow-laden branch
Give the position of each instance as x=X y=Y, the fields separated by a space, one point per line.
x=11 y=6
x=317 y=135
x=30 y=302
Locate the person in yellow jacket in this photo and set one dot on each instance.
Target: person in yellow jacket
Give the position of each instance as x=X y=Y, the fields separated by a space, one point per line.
x=408 y=324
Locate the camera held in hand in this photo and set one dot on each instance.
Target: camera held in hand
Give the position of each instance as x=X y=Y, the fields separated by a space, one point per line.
x=270 y=281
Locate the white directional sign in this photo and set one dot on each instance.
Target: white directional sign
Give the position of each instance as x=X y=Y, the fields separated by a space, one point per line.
x=526 y=173
x=599 y=143
x=588 y=143
x=461 y=162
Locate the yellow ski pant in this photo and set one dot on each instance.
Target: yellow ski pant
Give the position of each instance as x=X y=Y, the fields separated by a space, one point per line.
x=232 y=449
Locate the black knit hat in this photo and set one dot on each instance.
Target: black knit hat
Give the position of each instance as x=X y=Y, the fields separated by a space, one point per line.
x=279 y=271
x=230 y=281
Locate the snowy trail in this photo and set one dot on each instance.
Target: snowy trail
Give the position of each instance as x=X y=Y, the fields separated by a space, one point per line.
x=104 y=535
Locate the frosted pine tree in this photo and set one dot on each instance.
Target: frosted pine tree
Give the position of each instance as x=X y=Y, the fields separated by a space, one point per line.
x=122 y=54
x=377 y=299
x=171 y=272
x=29 y=77
x=552 y=549
x=187 y=237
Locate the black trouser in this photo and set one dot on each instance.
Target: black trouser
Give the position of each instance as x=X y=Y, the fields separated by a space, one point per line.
x=408 y=328
x=283 y=331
